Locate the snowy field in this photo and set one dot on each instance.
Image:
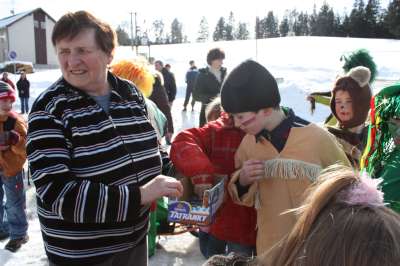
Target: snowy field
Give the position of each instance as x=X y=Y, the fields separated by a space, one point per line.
x=305 y=64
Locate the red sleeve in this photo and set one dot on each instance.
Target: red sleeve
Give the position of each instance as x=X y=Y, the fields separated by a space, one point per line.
x=190 y=151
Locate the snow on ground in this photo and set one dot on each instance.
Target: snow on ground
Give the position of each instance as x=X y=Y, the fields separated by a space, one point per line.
x=306 y=64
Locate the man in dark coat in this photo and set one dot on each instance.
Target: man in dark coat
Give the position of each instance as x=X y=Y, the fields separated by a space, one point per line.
x=209 y=81
x=191 y=76
x=23 y=93
x=169 y=81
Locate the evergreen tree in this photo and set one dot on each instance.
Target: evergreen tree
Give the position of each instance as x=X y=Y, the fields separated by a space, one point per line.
x=325 y=21
x=271 y=26
x=242 y=33
x=176 y=31
x=259 y=29
x=392 y=19
x=313 y=21
x=262 y=28
x=301 y=27
x=372 y=13
x=122 y=36
x=284 y=27
x=158 y=29
x=229 y=27
x=357 y=19
x=292 y=20
x=338 y=26
x=203 y=31
x=220 y=33
x=346 y=26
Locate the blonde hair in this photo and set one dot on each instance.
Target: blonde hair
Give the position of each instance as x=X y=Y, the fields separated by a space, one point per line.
x=136 y=71
x=330 y=231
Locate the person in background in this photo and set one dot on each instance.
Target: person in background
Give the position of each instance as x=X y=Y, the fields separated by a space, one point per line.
x=94 y=156
x=7 y=80
x=381 y=157
x=12 y=158
x=280 y=156
x=209 y=80
x=211 y=150
x=360 y=57
x=342 y=222
x=23 y=86
x=160 y=98
x=169 y=81
x=350 y=100
x=191 y=76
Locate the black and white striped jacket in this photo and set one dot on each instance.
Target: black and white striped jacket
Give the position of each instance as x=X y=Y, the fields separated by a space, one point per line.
x=87 y=167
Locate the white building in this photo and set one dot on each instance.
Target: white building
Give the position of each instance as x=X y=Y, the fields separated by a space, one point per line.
x=29 y=35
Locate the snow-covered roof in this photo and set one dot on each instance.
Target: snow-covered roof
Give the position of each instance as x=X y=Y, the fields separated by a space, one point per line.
x=7 y=21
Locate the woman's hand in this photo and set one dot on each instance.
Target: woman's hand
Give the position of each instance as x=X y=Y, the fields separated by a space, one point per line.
x=160 y=186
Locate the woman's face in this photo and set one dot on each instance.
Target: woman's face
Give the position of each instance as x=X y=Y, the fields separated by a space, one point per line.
x=83 y=63
x=343 y=106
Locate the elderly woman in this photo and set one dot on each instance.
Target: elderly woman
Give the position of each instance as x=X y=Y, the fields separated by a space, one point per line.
x=94 y=155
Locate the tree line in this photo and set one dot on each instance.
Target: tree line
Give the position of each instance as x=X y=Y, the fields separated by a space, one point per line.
x=365 y=20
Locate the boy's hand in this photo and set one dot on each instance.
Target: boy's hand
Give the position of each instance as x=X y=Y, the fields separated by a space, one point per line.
x=251 y=171
x=160 y=186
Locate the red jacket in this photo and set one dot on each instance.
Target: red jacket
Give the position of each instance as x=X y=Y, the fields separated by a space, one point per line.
x=211 y=150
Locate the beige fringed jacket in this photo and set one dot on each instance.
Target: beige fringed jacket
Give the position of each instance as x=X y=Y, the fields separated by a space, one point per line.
x=288 y=174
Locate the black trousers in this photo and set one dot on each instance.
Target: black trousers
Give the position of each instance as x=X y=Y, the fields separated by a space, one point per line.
x=137 y=256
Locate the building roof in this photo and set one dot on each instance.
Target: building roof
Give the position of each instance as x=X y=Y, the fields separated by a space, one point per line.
x=7 y=21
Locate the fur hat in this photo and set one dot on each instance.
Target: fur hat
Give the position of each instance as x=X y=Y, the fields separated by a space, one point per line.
x=137 y=72
x=6 y=92
x=249 y=88
x=356 y=83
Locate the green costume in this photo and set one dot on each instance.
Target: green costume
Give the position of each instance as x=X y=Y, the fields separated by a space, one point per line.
x=381 y=158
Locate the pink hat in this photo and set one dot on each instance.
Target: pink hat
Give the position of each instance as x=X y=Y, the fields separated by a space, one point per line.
x=6 y=92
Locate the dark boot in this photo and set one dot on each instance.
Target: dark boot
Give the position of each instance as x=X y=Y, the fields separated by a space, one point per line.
x=14 y=244
x=3 y=235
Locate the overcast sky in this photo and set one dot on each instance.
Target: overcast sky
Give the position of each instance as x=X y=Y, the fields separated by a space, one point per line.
x=188 y=12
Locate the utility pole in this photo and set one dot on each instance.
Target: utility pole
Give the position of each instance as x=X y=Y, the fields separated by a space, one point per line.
x=136 y=33
x=257 y=30
x=132 y=30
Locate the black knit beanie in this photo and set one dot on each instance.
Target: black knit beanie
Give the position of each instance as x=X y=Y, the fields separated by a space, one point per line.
x=249 y=88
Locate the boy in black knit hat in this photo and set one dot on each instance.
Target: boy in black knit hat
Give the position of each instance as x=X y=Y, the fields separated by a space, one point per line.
x=280 y=156
x=12 y=158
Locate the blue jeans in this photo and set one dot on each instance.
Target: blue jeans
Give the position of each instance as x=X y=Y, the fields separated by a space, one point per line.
x=210 y=246
x=16 y=223
x=24 y=104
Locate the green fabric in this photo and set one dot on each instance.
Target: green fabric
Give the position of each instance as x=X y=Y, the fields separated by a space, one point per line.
x=325 y=100
x=162 y=209
x=156 y=217
x=152 y=235
x=384 y=160
x=159 y=117
x=391 y=179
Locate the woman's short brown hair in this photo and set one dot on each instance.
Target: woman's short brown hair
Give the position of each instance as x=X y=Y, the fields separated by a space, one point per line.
x=71 y=24
x=215 y=54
